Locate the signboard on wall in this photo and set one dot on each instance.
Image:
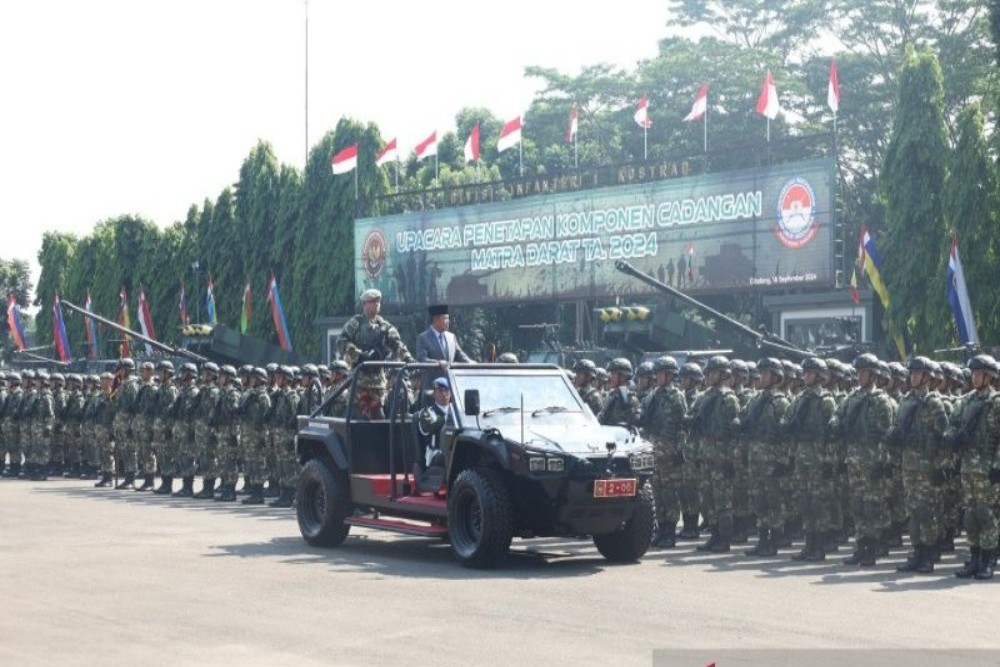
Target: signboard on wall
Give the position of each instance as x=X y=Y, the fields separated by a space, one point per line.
x=756 y=229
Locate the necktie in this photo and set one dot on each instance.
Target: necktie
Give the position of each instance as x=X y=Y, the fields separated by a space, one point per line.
x=444 y=346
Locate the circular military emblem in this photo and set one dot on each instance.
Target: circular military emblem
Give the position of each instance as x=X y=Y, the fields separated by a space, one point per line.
x=374 y=253
x=797 y=223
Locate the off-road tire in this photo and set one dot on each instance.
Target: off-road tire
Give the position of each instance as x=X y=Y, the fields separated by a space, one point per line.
x=324 y=502
x=480 y=518
x=630 y=542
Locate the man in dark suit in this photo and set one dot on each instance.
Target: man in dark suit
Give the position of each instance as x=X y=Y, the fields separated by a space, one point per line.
x=440 y=345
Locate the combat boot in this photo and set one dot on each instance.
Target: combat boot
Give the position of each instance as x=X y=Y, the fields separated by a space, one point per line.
x=947 y=542
x=104 y=482
x=40 y=473
x=740 y=530
x=765 y=546
x=207 y=489
x=830 y=541
x=710 y=543
x=817 y=553
x=14 y=471
x=987 y=561
x=166 y=486
x=972 y=567
x=780 y=538
x=912 y=561
x=256 y=496
x=926 y=564
x=127 y=483
x=690 y=529
x=667 y=536
x=859 y=549
x=228 y=494
x=147 y=483
x=187 y=490
x=272 y=488
x=868 y=557
x=285 y=498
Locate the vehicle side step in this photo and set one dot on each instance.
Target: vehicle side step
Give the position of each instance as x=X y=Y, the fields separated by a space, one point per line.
x=398 y=526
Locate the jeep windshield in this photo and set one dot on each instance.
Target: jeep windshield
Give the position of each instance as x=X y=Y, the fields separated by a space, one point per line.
x=543 y=394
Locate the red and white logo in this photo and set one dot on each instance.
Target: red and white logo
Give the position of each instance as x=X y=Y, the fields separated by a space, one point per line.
x=374 y=253
x=797 y=224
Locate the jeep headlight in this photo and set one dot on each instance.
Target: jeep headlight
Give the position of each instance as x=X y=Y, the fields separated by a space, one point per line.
x=642 y=461
x=536 y=464
x=556 y=465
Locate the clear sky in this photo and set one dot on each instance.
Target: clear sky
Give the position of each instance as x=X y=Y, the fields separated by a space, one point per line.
x=109 y=107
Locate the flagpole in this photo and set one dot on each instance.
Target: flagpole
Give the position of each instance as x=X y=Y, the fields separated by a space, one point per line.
x=435 y=162
x=355 y=182
x=397 y=176
x=645 y=151
x=520 y=158
x=705 y=130
x=576 y=152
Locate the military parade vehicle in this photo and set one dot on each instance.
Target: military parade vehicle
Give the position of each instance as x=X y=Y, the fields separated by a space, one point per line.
x=521 y=456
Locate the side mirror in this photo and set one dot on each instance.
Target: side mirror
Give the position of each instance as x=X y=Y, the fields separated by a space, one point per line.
x=471 y=401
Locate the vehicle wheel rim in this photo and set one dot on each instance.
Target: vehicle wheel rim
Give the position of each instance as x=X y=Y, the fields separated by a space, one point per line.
x=470 y=521
x=314 y=507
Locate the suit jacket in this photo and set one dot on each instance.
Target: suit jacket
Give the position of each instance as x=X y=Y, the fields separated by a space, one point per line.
x=429 y=350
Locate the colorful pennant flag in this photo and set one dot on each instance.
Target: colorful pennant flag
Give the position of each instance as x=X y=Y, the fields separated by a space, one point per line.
x=345 y=161
x=388 y=153
x=14 y=323
x=871 y=265
x=124 y=350
x=59 y=337
x=247 y=311
x=182 y=308
x=700 y=105
x=958 y=298
x=210 y=301
x=145 y=320
x=472 y=144
x=92 y=342
x=833 y=89
x=278 y=315
x=510 y=135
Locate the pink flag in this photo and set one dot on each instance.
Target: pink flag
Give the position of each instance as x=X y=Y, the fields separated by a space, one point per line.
x=472 y=144
x=700 y=105
x=345 y=161
x=574 y=125
x=428 y=147
x=145 y=320
x=387 y=154
x=833 y=89
x=642 y=113
x=767 y=103
x=510 y=135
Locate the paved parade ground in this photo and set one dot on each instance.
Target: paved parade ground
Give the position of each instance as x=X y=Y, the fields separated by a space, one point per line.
x=121 y=577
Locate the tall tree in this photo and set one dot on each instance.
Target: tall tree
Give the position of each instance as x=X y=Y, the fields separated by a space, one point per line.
x=55 y=258
x=912 y=183
x=970 y=209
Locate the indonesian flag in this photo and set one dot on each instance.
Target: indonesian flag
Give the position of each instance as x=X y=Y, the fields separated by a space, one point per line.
x=574 y=125
x=472 y=144
x=767 y=103
x=833 y=89
x=387 y=154
x=510 y=135
x=345 y=161
x=428 y=147
x=145 y=320
x=700 y=105
x=642 y=113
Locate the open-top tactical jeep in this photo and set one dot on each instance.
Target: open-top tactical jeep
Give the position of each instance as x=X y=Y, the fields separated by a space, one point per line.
x=522 y=457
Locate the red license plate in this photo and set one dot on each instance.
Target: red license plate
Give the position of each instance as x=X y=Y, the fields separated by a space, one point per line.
x=614 y=488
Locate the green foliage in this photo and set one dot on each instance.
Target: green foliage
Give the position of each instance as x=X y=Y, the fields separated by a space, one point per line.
x=912 y=183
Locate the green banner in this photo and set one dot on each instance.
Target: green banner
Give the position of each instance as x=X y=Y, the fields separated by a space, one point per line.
x=756 y=229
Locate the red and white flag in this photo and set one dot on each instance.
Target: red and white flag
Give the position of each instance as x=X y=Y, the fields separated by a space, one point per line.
x=510 y=135
x=767 y=103
x=146 y=320
x=642 y=113
x=700 y=105
x=428 y=147
x=345 y=161
x=833 y=89
x=388 y=153
x=472 y=144
x=574 y=125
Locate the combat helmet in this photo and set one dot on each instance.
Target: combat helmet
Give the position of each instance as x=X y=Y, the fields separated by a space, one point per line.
x=665 y=364
x=620 y=365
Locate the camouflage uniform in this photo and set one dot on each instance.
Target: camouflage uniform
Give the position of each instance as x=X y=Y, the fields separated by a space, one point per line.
x=253 y=430
x=376 y=337
x=163 y=443
x=205 y=438
x=42 y=421
x=862 y=420
x=183 y=435
x=663 y=423
x=73 y=418
x=227 y=420
x=26 y=416
x=12 y=427
x=284 y=422
x=592 y=396
x=806 y=420
x=90 y=446
x=767 y=460
x=124 y=405
x=144 y=412
x=57 y=441
x=621 y=406
x=715 y=423
x=103 y=415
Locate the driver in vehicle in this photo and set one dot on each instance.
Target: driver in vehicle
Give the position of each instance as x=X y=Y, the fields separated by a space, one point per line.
x=433 y=419
x=368 y=397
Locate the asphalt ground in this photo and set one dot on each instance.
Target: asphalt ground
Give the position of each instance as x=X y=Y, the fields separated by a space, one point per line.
x=118 y=577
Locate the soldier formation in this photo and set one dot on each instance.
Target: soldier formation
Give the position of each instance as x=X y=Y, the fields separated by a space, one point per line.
x=214 y=422
x=817 y=451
